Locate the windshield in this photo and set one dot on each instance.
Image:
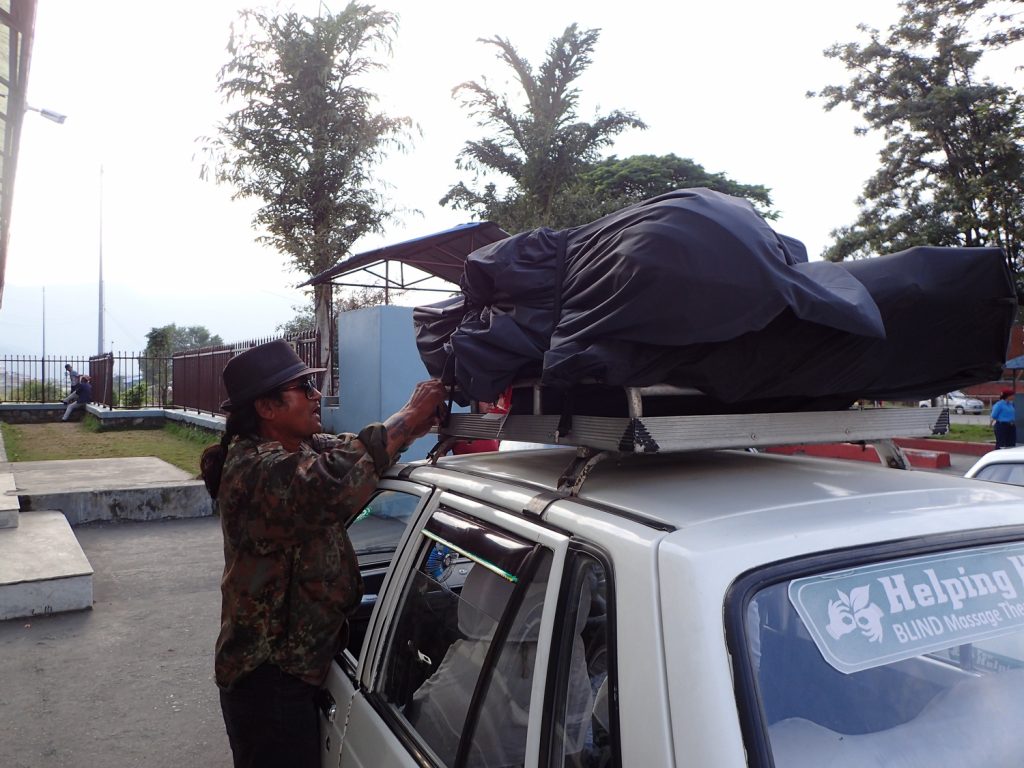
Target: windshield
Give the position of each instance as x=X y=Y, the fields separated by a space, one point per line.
x=910 y=662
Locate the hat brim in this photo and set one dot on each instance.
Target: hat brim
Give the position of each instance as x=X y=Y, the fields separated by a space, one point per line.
x=286 y=375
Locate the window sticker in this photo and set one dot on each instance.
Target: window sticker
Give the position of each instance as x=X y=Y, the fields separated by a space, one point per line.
x=877 y=614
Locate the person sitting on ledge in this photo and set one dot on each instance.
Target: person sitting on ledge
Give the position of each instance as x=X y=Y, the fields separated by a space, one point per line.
x=83 y=390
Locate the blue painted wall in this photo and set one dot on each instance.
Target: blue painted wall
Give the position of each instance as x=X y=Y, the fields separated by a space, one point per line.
x=378 y=367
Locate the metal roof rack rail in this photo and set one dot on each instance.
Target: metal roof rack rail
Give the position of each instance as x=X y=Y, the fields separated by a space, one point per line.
x=641 y=434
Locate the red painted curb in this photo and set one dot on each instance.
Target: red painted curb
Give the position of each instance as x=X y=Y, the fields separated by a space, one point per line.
x=917 y=458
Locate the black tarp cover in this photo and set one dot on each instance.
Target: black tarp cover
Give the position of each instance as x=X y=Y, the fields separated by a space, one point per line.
x=694 y=288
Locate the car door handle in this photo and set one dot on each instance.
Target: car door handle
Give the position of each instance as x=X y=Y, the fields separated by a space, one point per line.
x=328 y=707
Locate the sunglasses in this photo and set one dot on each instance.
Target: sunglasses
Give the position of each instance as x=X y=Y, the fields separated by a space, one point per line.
x=307 y=386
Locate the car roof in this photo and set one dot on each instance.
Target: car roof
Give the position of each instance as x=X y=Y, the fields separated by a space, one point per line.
x=710 y=488
x=1000 y=456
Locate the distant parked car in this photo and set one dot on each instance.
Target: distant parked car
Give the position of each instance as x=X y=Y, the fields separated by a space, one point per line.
x=957 y=402
x=1002 y=466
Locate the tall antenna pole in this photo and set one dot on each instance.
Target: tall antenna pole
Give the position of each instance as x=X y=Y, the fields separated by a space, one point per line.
x=99 y=342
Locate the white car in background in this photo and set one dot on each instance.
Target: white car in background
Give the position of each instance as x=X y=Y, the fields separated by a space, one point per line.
x=957 y=402
x=1003 y=466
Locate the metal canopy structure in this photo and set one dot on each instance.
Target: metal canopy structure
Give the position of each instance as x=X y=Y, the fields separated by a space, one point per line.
x=440 y=255
x=17 y=22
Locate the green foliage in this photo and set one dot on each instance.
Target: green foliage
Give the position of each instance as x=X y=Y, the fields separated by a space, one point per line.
x=91 y=424
x=155 y=365
x=169 y=339
x=952 y=168
x=969 y=433
x=190 y=434
x=305 y=136
x=12 y=441
x=612 y=183
x=133 y=397
x=304 y=324
x=89 y=439
x=33 y=391
x=543 y=149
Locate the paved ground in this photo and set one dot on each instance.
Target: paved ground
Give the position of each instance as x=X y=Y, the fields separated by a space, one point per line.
x=129 y=683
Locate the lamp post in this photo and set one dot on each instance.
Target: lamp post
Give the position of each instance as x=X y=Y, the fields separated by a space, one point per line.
x=58 y=118
x=49 y=114
x=99 y=340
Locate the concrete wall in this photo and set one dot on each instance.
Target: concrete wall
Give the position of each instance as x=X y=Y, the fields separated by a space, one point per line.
x=34 y=413
x=123 y=418
x=378 y=367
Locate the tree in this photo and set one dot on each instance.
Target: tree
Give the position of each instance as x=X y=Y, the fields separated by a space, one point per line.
x=304 y=322
x=542 y=149
x=161 y=343
x=168 y=339
x=612 y=183
x=952 y=168
x=306 y=137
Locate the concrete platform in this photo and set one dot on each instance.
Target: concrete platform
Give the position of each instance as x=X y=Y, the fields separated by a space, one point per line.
x=42 y=568
x=9 y=505
x=87 y=490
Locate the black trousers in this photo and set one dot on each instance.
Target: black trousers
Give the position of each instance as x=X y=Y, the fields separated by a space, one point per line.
x=271 y=719
x=1006 y=434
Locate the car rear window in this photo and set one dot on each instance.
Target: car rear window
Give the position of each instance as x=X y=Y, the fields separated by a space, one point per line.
x=1002 y=473
x=913 y=661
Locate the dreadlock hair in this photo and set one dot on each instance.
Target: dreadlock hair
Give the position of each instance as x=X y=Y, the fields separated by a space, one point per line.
x=242 y=420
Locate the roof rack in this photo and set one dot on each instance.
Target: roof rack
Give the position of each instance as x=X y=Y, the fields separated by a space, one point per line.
x=597 y=437
x=660 y=434
x=637 y=433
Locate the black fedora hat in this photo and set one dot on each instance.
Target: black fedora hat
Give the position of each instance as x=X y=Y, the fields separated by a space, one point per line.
x=259 y=370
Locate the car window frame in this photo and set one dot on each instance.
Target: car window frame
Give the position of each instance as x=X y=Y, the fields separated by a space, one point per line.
x=580 y=547
x=748 y=584
x=372 y=664
x=351 y=666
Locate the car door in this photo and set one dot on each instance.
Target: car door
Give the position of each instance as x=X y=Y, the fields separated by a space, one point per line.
x=448 y=676
x=377 y=534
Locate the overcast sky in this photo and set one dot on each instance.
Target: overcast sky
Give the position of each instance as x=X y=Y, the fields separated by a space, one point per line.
x=722 y=83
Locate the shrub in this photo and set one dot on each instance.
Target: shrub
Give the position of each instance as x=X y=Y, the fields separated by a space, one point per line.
x=133 y=397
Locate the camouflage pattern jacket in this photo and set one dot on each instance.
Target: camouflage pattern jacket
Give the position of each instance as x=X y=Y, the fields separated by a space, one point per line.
x=290 y=573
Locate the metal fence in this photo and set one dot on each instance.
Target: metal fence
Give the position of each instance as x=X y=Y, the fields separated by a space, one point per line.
x=190 y=379
x=26 y=379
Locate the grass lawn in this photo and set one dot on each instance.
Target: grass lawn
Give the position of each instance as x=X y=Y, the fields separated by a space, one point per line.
x=174 y=444
x=969 y=433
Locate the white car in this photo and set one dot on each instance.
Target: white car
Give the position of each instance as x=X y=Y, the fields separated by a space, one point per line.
x=1005 y=465
x=679 y=607
x=957 y=402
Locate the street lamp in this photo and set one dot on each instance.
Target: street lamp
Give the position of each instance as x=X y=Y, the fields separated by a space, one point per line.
x=99 y=342
x=49 y=114
x=58 y=118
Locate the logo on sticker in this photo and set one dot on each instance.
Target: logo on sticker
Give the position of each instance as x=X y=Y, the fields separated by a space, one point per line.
x=876 y=614
x=855 y=611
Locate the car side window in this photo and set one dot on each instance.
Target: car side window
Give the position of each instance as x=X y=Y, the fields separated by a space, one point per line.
x=376 y=531
x=375 y=534
x=458 y=671
x=585 y=730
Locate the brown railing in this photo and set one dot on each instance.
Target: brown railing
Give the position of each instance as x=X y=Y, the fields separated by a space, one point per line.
x=197 y=372
x=190 y=379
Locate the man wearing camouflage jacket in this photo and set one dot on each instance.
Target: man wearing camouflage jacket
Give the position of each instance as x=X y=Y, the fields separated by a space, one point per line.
x=285 y=494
